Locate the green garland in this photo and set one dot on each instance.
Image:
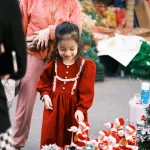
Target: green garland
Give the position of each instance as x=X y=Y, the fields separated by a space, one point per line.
x=92 y=55
x=140 y=64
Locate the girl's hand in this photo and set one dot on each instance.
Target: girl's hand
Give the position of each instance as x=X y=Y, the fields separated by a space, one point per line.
x=48 y=102
x=42 y=39
x=79 y=116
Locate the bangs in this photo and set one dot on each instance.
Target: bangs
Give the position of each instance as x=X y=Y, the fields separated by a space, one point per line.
x=70 y=36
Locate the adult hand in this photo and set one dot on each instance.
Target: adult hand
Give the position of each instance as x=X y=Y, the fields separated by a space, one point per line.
x=79 y=116
x=48 y=102
x=42 y=39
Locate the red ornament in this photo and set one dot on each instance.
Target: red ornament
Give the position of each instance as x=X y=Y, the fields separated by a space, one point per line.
x=143 y=118
x=85 y=47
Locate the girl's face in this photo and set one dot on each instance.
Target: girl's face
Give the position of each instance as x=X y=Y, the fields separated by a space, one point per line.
x=68 y=49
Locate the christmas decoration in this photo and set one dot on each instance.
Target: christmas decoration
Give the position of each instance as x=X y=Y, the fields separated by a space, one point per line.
x=130 y=138
x=101 y=142
x=89 y=47
x=90 y=52
x=51 y=147
x=81 y=137
x=140 y=64
x=99 y=14
x=116 y=127
x=143 y=130
x=113 y=142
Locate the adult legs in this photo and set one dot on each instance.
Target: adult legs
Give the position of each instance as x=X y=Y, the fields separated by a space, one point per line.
x=26 y=100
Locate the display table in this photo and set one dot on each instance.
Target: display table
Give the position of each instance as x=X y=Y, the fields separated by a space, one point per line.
x=136 y=111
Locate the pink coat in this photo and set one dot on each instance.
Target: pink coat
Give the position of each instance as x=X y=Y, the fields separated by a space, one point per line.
x=41 y=14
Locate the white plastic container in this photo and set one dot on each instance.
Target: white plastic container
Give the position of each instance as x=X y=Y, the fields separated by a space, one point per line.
x=145 y=93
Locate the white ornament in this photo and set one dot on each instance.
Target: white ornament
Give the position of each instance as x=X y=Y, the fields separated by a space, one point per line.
x=143 y=132
x=50 y=147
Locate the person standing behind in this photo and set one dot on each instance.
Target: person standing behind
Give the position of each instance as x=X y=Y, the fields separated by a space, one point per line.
x=66 y=86
x=11 y=39
x=39 y=17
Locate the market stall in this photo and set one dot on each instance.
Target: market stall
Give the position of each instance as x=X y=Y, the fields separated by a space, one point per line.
x=107 y=22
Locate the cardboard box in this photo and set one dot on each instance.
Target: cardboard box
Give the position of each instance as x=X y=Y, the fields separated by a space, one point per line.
x=142 y=11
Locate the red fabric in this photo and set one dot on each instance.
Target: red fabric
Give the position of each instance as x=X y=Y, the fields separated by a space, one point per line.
x=57 y=121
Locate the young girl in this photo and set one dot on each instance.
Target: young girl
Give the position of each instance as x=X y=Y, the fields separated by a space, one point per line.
x=66 y=86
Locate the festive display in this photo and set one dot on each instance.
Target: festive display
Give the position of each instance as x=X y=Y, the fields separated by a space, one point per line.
x=143 y=130
x=116 y=127
x=90 y=52
x=102 y=20
x=130 y=138
x=89 y=47
x=113 y=142
x=90 y=19
x=102 y=141
x=81 y=138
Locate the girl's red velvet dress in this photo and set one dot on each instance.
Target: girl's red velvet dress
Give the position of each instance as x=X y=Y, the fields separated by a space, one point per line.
x=71 y=88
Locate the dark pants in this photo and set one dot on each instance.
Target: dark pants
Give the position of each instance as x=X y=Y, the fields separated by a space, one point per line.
x=4 y=115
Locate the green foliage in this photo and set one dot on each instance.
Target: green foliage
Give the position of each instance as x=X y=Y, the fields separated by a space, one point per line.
x=144 y=146
x=87 y=38
x=140 y=65
x=92 y=55
x=143 y=132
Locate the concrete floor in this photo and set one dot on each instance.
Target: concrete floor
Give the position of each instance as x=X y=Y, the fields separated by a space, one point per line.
x=111 y=101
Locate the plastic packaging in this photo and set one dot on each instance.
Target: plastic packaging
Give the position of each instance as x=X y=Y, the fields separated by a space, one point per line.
x=145 y=93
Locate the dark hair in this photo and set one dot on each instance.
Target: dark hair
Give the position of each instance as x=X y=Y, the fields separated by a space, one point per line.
x=64 y=31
